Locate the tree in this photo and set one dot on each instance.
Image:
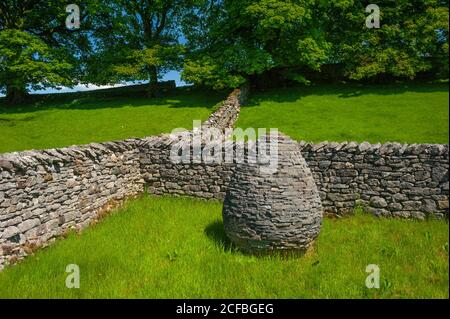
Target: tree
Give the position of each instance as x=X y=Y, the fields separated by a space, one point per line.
x=413 y=36
x=233 y=42
x=136 y=40
x=36 y=49
x=26 y=61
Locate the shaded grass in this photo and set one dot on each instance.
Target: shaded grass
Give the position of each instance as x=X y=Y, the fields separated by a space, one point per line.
x=412 y=113
x=176 y=248
x=65 y=120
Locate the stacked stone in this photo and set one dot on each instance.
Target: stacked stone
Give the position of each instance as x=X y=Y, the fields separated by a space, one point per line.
x=45 y=193
x=391 y=180
x=196 y=178
x=227 y=114
x=278 y=212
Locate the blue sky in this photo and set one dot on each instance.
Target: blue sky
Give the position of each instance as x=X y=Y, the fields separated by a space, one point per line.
x=172 y=75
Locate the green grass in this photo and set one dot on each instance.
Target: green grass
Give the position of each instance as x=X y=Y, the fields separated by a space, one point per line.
x=176 y=248
x=413 y=113
x=72 y=119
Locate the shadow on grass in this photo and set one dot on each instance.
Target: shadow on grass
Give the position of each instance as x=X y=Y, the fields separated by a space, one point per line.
x=101 y=99
x=343 y=91
x=216 y=233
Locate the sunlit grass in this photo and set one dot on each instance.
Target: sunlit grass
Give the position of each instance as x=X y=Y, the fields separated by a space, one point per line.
x=70 y=120
x=176 y=248
x=411 y=113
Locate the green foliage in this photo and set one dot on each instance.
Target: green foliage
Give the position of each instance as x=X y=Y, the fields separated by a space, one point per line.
x=27 y=60
x=413 y=37
x=242 y=39
x=229 y=42
x=135 y=40
x=36 y=49
x=176 y=248
x=205 y=71
x=139 y=60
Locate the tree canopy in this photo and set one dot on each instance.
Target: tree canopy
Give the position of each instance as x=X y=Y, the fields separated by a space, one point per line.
x=412 y=38
x=242 y=39
x=217 y=43
x=36 y=49
x=232 y=42
x=136 y=40
x=26 y=60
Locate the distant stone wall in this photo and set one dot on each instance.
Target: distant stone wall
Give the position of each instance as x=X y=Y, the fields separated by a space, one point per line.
x=207 y=181
x=392 y=179
x=162 y=176
x=227 y=114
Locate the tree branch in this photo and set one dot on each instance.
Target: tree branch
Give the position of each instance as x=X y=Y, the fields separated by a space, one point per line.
x=163 y=20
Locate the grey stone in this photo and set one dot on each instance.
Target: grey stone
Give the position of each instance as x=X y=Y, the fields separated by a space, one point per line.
x=6 y=165
x=10 y=232
x=395 y=207
x=412 y=205
x=28 y=224
x=378 y=212
x=422 y=175
x=378 y=202
x=443 y=204
x=429 y=206
x=264 y=213
x=418 y=215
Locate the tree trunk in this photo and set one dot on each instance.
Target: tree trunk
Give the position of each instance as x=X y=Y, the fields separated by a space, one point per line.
x=153 y=90
x=245 y=91
x=15 y=94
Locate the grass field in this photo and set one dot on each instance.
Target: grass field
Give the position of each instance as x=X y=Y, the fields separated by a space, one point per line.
x=79 y=119
x=414 y=113
x=176 y=248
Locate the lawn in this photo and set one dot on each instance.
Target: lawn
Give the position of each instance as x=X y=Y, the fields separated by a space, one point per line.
x=412 y=113
x=176 y=248
x=71 y=119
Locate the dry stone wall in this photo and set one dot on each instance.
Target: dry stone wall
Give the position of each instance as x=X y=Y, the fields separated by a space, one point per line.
x=227 y=114
x=196 y=179
x=45 y=193
x=162 y=176
x=392 y=179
